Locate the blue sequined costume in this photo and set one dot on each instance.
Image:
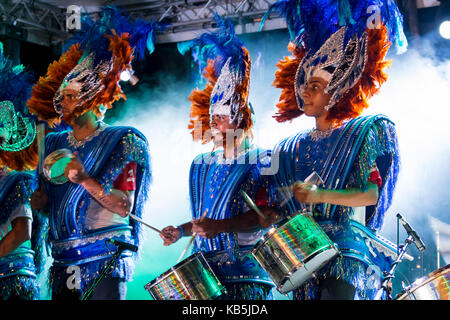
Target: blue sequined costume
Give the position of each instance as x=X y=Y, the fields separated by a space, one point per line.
x=343 y=160
x=17 y=269
x=104 y=156
x=215 y=186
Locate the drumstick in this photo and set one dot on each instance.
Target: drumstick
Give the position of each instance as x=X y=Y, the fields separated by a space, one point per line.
x=252 y=204
x=191 y=240
x=144 y=223
x=40 y=135
x=286 y=192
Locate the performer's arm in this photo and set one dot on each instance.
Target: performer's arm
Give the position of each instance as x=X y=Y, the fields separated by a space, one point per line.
x=172 y=234
x=117 y=201
x=305 y=193
x=249 y=221
x=39 y=200
x=20 y=232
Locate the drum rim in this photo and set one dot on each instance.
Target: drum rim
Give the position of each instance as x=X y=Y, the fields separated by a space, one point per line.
x=282 y=222
x=46 y=171
x=299 y=265
x=149 y=286
x=422 y=281
x=166 y=273
x=269 y=232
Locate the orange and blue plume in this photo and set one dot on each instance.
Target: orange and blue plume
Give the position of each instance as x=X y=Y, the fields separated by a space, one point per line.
x=218 y=46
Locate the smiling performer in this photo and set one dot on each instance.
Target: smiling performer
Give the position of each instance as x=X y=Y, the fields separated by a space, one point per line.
x=337 y=65
x=21 y=230
x=225 y=226
x=109 y=170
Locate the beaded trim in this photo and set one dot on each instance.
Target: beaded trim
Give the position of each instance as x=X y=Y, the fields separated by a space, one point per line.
x=73 y=142
x=317 y=134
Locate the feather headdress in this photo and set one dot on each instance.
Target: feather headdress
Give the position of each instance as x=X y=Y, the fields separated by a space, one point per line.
x=94 y=58
x=343 y=41
x=18 y=147
x=226 y=66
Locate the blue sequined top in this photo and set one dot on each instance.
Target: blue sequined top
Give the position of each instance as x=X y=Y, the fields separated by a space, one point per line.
x=343 y=159
x=15 y=189
x=215 y=186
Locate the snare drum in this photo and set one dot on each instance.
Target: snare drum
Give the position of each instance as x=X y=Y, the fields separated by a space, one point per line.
x=55 y=164
x=434 y=286
x=291 y=252
x=191 y=279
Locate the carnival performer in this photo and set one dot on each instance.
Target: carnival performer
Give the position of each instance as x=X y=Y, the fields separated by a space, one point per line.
x=21 y=230
x=226 y=228
x=108 y=171
x=338 y=63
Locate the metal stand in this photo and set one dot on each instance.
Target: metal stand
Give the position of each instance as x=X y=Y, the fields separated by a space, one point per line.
x=389 y=275
x=91 y=290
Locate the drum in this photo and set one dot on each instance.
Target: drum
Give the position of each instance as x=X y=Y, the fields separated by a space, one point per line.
x=55 y=164
x=191 y=279
x=434 y=286
x=291 y=252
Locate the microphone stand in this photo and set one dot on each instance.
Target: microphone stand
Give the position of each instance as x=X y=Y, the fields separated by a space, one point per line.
x=389 y=275
x=92 y=288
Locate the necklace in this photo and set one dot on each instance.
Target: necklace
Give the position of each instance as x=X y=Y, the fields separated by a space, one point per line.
x=317 y=134
x=73 y=142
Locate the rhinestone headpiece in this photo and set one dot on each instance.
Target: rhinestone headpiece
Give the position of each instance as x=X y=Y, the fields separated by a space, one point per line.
x=340 y=66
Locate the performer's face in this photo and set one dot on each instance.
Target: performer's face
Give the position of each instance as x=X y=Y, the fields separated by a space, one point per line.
x=314 y=97
x=220 y=124
x=70 y=100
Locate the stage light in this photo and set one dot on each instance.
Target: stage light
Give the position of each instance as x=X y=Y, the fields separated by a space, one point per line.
x=444 y=29
x=125 y=75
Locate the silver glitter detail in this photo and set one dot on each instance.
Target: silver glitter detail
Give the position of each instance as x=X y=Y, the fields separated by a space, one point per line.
x=74 y=143
x=223 y=100
x=18 y=131
x=89 y=76
x=316 y=134
x=349 y=63
x=60 y=246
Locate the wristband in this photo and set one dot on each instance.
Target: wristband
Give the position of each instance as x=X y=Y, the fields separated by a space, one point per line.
x=182 y=231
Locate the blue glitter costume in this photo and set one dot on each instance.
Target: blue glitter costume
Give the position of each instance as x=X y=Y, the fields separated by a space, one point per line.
x=215 y=189
x=104 y=157
x=215 y=182
x=79 y=225
x=344 y=43
x=17 y=269
x=344 y=160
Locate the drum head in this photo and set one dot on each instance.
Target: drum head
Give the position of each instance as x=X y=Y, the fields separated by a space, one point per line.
x=191 y=279
x=55 y=164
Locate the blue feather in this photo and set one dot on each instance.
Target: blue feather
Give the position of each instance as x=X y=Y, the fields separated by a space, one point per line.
x=312 y=22
x=15 y=83
x=92 y=33
x=218 y=46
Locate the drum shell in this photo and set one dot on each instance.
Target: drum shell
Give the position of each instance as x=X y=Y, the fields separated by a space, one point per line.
x=291 y=252
x=434 y=286
x=191 y=279
x=61 y=156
